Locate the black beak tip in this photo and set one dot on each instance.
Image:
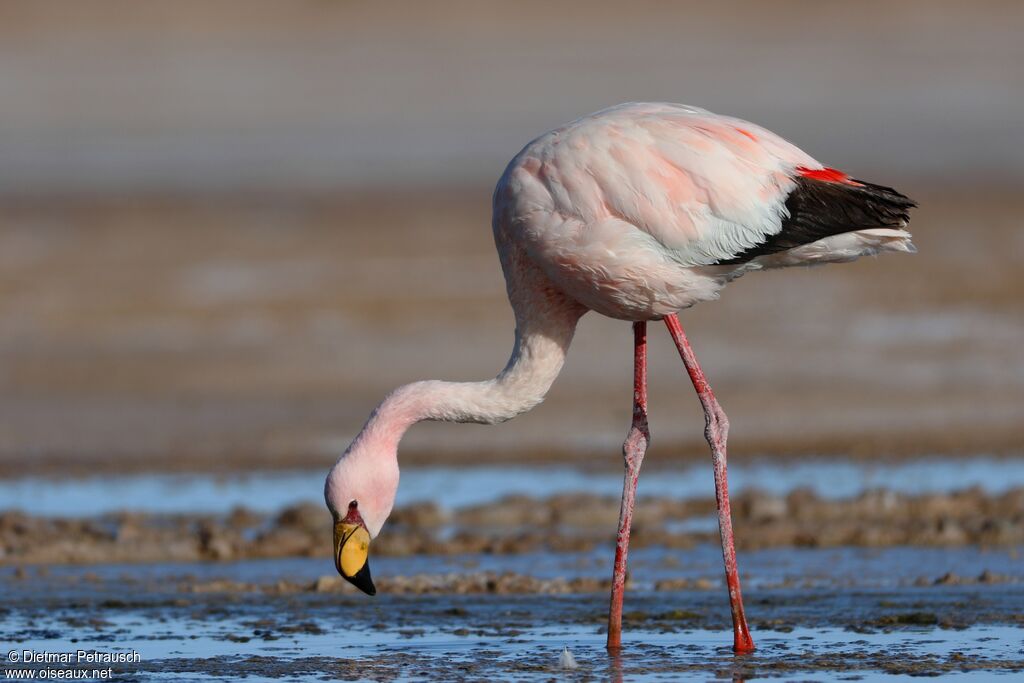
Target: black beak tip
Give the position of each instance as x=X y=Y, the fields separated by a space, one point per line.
x=362 y=580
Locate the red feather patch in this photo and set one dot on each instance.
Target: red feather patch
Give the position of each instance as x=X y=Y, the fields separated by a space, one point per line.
x=826 y=174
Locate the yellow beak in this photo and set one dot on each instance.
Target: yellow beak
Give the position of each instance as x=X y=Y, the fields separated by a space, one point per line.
x=351 y=550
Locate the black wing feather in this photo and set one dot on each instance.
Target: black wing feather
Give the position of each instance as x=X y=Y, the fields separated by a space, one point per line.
x=821 y=208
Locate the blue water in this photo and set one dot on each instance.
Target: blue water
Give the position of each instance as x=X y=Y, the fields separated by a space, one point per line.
x=462 y=486
x=846 y=567
x=828 y=625
x=693 y=654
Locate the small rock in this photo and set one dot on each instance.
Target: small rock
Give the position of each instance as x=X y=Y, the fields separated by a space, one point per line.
x=327 y=584
x=991 y=577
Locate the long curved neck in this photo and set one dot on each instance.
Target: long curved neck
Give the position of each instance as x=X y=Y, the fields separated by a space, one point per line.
x=543 y=335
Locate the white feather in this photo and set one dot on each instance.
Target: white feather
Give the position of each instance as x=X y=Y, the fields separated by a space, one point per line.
x=566 y=660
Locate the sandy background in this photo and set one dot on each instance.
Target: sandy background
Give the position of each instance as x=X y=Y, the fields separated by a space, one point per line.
x=227 y=230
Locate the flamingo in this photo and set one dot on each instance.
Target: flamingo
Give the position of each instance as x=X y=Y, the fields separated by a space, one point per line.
x=636 y=212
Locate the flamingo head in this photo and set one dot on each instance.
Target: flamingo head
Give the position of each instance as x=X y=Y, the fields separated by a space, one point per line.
x=360 y=492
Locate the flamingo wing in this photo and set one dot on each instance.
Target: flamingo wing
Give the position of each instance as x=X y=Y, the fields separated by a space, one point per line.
x=708 y=189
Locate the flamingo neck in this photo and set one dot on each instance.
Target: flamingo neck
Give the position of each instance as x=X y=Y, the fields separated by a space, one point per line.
x=541 y=343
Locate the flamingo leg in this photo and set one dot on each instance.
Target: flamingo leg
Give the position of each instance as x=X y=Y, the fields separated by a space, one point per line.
x=633 y=450
x=716 y=431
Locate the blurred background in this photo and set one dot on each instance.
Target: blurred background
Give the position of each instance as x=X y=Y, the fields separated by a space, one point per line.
x=228 y=229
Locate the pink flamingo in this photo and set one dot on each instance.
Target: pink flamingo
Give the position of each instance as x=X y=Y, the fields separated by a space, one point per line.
x=637 y=212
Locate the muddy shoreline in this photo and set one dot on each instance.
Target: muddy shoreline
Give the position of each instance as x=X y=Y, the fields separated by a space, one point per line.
x=517 y=524
x=222 y=335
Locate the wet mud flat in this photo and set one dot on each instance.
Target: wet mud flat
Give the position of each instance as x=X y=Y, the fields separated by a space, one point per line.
x=229 y=333
x=516 y=524
x=857 y=614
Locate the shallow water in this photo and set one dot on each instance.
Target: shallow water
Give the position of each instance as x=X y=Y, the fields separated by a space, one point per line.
x=861 y=625
x=843 y=567
x=693 y=654
x=269 y=491
x=819 y=614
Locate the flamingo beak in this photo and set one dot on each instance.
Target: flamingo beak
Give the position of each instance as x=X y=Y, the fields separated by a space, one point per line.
x=351 y=548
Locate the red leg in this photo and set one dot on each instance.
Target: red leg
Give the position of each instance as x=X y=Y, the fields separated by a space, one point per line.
x=716 y=431
x=633 y=453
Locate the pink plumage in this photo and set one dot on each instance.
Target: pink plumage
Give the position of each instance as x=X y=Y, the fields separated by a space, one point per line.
x=637 y=212
x=633 y=209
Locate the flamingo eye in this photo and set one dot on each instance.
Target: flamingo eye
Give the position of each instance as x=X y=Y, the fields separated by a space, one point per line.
x=353 y=505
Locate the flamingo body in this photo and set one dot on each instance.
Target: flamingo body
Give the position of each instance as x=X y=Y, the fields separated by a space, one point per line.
x=639 y=210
